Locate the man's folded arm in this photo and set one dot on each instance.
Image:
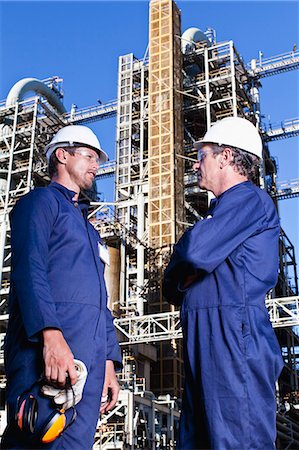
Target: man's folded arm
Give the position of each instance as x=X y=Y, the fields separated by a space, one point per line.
x=209 y=242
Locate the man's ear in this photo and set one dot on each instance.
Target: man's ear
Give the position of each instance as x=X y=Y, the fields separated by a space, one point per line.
x=226 y=156
x=61 y=155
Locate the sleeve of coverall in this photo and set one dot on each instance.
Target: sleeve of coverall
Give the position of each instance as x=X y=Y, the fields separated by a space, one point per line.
x=32 y=220
x=113 y=350
x=209 y=242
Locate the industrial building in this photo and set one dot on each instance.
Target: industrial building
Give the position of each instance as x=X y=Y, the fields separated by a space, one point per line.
x=165 y=102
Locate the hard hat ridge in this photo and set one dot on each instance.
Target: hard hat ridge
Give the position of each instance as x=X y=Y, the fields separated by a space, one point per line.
x=76 y=135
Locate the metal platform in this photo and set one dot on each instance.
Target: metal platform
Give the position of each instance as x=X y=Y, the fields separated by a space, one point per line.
x=107 y=170
x=282 y=130
x=92 y=113
x=272 y=66
x=283 y=312
x=287 y=189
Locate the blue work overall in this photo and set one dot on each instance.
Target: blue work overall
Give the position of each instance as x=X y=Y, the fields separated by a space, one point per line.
x=232 y=357
x=57 y=281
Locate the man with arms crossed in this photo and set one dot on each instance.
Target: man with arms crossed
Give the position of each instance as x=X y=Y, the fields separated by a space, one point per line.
x=58 y=298
x=220 y=272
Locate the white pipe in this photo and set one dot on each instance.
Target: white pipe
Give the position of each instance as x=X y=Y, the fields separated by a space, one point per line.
x=18 y=91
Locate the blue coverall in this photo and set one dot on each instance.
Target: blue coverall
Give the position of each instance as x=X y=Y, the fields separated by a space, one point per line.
x=232 y=357
x=57 y=281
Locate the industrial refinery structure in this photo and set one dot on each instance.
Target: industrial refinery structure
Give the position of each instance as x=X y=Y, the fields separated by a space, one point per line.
x=165 y=102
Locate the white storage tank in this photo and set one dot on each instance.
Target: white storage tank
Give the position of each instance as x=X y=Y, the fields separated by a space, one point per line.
x=191 y=37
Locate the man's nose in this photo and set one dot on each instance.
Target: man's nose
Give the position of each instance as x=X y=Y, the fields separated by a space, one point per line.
x=195 y=166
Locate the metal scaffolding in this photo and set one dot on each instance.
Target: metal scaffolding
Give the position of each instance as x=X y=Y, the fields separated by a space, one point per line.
x=139 y=421
x=26 y=126
x=166 y=170
x=131 y=176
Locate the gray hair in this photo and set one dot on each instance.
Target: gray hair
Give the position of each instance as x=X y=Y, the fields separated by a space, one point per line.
x=244 y=163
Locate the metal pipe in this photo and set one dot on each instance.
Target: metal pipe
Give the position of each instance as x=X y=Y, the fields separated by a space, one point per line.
x=18 y=91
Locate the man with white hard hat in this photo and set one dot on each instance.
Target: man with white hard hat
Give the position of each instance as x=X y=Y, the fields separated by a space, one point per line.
x=219 y=273
x=58 y=305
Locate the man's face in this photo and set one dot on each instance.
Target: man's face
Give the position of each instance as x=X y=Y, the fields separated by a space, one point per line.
x=207 y=168
x=82 y=167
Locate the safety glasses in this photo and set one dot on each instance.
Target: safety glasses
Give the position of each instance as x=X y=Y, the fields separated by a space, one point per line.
x=88 y=156
x=201 y=154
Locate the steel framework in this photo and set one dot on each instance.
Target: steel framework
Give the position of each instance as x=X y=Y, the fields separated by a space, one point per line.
x=283 y=312
x=25 y=129
x=139 y=421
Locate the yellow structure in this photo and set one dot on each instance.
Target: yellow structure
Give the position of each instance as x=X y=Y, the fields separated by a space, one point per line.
x=166 y=206
x=166 y=169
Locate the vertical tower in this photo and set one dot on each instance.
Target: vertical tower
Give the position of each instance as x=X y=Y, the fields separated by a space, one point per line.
x=166 y=210
x=166 y=171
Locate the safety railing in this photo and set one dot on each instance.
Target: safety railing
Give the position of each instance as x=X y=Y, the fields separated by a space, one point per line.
x=263 y=67
x=283 y=312
x=90 y=113
x=287 y=189
x=281 y=130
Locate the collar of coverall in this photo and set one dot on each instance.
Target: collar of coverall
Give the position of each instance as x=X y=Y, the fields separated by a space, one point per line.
x=82 y=202
x=236 y=186
x=214 y=202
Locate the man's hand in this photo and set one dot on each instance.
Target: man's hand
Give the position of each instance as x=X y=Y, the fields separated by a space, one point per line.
x=58 y=358
x=110 y=389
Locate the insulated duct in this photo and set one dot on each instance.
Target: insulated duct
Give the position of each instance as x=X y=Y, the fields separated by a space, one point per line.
x=18 y=91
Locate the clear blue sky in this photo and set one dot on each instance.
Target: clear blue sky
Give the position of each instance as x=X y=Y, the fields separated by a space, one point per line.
x=81 y=42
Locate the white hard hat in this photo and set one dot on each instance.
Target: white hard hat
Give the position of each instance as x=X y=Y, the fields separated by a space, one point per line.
x=76 y=135
x=235 y=132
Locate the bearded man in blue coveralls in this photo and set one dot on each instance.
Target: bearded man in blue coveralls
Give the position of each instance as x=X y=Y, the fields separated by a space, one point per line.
x=220 y=272
x=58 y=299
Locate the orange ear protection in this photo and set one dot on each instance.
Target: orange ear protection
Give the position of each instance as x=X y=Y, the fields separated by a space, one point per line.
x=28 y=420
